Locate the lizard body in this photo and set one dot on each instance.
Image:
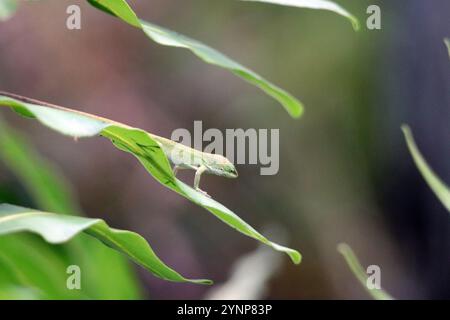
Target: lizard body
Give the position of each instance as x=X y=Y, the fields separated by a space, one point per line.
x=183 y=157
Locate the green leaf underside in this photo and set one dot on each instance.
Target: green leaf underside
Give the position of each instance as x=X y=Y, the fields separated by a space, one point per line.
x=7 y=9
x=439 y=188
x=57 y=228
x=145 y=149
x=316 y=4
x=166 y=37
x=360 y=273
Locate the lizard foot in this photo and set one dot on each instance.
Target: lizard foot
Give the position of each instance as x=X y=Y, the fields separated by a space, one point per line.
x=203 y=192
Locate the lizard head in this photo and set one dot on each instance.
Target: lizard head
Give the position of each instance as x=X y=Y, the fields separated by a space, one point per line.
x=221 y=166
x=229 y=170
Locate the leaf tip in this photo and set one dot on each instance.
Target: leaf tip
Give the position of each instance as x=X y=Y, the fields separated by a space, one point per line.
x=296 y=110
x=355 y=23
x=295 y=256
x=203 y=281
x=298 y=114
x=406 y=131
x=343 y=248
x=404 y=127
x=447 y=44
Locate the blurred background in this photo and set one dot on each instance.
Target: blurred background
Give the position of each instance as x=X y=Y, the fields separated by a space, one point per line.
x=345 y=172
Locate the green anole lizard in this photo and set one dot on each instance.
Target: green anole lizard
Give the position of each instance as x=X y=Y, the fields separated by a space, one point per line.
x=180 y=156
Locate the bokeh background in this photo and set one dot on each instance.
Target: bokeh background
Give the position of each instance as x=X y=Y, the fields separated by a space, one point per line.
x=345 y=172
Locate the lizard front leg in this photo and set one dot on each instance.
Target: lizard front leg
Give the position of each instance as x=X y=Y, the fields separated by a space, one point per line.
x=198 y=175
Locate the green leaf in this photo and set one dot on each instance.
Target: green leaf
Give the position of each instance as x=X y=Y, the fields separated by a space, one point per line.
x=439 y=188
x=7 y=9
x=57 y=228
x=316 y=4
x=38 y=266
x=359 y=272
x=122 y=10
x=42 y=180
x=10 y=273
x=143 y=147
x=447 y=44
x=107 y=273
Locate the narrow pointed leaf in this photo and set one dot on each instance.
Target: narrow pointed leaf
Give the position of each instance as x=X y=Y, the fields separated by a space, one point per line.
x=143 y=147
x=163 y=36
x=57 y=228
x=360 y=273
x=439 y=188
x=316 y=4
